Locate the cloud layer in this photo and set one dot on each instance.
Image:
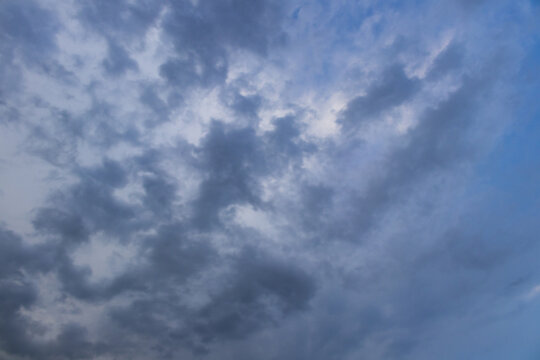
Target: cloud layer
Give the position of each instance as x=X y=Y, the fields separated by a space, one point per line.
x=260 y=179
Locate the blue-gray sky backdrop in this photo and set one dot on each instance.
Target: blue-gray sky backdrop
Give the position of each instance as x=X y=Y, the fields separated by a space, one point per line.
x=266 y=179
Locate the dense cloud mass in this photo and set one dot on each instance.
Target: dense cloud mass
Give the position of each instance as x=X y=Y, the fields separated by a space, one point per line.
x=267 y=179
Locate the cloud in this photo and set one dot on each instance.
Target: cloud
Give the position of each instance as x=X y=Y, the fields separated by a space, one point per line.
x=391 y=90
x=190 y=206
x=202 y=33
x=449 y=59
x=533 y=293
x=29 y=30
x=233 y=159
x=118 y=60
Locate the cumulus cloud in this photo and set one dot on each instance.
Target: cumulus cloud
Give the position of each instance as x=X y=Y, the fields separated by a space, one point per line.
x=268 y=179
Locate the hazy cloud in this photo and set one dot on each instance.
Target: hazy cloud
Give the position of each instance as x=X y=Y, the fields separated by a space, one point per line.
x=262 y=179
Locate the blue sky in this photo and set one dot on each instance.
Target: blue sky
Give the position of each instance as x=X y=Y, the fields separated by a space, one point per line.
x=264 y=179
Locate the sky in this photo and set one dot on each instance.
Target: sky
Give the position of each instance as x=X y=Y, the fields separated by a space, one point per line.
x=267 y=179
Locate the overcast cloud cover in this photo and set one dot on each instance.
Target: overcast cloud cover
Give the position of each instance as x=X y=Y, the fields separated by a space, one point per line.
x=265 y=179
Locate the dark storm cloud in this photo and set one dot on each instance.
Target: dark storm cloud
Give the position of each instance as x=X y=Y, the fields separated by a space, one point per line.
x=159 y=195
x=316 y=206
x=17 y=261
x=171 y=257
x=97 y=128
x=75 y=280
x=246 y=106
x=184 y=73
x=284 y=139
x=260 y=283
x=75 y=214
x=161 y=109
x=233 y=161
x=98 y=206
x=232 y=158
x=442 y=136
x=27 y=36
x=393 y=89
x=202 y=34
x=449 y=59
x=127 y=19
x=439 y=142
x=209 y=26
x=56 y=142
x=59 y=134
x=14 y=296
x=259 y=291
x=186 y=274
x=27 y=30
x=29 y=33
x=68 y=227
x=87 y=206
x=118 y=60
x=17 y=292
x=17 y=256
x=459 y=271
x=109 y=173
x=73 y=343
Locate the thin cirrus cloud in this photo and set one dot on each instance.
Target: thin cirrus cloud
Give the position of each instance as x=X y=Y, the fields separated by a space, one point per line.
x=267 y=179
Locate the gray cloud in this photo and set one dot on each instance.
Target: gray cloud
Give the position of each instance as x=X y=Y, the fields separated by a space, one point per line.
x=393 y=89
x=441 y=141
x=27 y=33
x=118 y=60
x=449 y=59
x=103 y=17
x=184 y=192
x=28 y=30
x=202 y=33
x=233 y=158
x=260 y=291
